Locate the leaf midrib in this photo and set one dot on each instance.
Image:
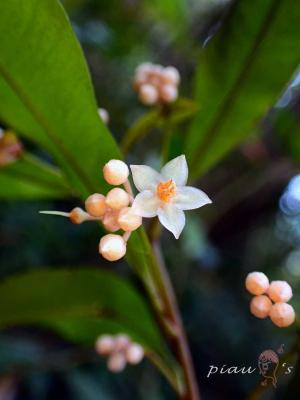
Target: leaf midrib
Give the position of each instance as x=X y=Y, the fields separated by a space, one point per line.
x=46 y=127
x=232 y=94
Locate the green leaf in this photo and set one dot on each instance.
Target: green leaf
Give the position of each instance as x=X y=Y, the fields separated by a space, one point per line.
x=31 y=178
x=46 y=95
x=46 y=92
x=241 y=73
x=82 y=304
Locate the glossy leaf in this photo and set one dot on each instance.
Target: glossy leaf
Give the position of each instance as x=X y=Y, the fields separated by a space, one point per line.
x=81 y=304
x=46 y=92
x=241 y=73
x=31 y=178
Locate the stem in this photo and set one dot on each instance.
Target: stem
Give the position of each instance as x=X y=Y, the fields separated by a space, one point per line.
x=174 y=321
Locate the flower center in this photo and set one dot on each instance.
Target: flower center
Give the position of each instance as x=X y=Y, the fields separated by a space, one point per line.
x=166 y=190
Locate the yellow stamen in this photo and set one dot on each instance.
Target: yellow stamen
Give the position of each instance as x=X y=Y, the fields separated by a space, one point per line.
x=166 y=190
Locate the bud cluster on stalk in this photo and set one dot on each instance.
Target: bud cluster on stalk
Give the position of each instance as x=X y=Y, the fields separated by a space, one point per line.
x=113 y=210
x=119 y=351
x=270 y=299
x=156 y=84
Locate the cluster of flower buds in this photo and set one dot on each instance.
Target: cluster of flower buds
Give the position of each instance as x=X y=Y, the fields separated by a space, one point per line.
x=156 y=84
x=120 y=350
x=113 y=210
x=270 y=299
x=10 y=148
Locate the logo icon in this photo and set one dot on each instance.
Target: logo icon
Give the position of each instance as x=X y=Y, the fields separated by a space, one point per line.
x=268 y=363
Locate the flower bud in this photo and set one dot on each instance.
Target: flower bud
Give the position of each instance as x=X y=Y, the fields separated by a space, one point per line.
x=110 y=220
x=104 y=345
x=116 y=362
x=112 y=247
x=95 y=205
x=121 y=342
x=282 y=314
x=104 y=115
x=170 y=76
x=115 y=172
x=148 y=94
x=260 y=306
x=77 y=216
x=117 y=198
x=257 y=283
x=168 y=93
x=280 y=291
x=128 y=220
x=134 y=353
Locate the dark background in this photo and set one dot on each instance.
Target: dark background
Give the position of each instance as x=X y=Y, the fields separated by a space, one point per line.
x=253 y=225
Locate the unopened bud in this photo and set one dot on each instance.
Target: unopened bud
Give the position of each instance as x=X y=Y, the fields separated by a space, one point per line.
x=148 y=94
x=117 y=198
x=116 y=362
x=95 y=205
x=112 y=247
x=128 y=220
x=77 y=216
x=104 y=345
x=134 y=353
x=168 y=93
x=115 y=172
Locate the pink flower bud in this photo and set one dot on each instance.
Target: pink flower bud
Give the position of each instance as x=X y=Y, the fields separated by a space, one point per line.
x=95 y=205
x=260 y=306
x=280 y=291
x=128 y=220
x=117 y=198
x=104 y=345
x=257 y=283
x=148 y=94
x=115 y=172
x=112 y=247
x=134 y=353
x=116 y=362
x=282 y=314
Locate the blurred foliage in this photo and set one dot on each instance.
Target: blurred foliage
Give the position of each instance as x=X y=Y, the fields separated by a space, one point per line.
x=247 y=53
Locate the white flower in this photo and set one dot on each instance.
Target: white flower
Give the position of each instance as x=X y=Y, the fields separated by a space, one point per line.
x=165 y=195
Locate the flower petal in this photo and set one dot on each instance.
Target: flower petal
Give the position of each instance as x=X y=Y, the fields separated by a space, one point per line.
x=189 y=198
x=177 y=170
x=145 y=204
x=144 y=177
x=172 y=218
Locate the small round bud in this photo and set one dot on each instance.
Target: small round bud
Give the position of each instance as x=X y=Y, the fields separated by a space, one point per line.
x=260 y=306
x=170 y=76
x=112 y=247
x=148 y=94
x=122 y=341
x=95 y=205
x=257 y=283
x=280 y=291
x=104 y=345
x=115 y=172
x=134 y=353
x=116 y=362
x=104 y=115
x=128 y=220
x=282 y=314
x=168 y=93
x=145 y=67
x=110 y=220
x=117 y=198
x=77 y=216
